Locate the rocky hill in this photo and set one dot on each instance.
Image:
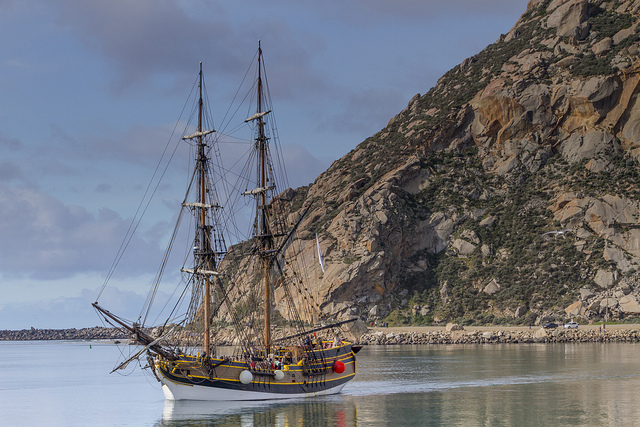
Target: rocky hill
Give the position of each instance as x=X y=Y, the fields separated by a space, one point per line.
x=509 y=192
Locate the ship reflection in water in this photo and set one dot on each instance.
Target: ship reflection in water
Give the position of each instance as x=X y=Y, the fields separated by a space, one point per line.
x=331 y=410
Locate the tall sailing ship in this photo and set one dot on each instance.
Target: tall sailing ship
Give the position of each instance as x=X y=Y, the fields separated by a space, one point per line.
x=232 y=294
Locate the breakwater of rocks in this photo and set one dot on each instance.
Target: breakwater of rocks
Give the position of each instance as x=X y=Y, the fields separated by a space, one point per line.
x=372 y=338
x=96 y=333
x=500 y=337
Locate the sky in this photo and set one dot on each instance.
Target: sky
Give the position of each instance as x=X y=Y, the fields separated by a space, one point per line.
x=90 y=92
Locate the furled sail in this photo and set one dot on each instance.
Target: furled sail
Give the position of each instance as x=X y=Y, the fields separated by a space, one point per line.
x=258 y=191
x=257 y=116
x=199 y=205
x=200 y=272
x=198 y=134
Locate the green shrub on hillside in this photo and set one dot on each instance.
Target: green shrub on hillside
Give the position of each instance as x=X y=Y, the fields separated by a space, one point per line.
x=606 y=23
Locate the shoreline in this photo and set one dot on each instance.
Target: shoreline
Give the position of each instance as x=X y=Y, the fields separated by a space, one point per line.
x=417 y=335
x=33 y=334
x=421 y=329
x=402 y=335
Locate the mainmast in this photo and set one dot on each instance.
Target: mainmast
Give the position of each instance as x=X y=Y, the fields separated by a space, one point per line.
x=267 y=239
x=263 y=229
x=205 y=240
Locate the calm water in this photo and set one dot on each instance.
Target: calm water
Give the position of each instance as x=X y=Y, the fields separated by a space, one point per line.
x=67 y=384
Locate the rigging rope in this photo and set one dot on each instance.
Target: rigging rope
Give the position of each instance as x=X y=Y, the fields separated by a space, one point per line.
x=137 y=218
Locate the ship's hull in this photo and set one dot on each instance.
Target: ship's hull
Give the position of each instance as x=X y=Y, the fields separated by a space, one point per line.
x=190 y=378
x=173 y=391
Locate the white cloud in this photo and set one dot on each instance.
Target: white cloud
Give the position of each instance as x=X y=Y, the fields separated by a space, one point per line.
x=45 y=239
x=70 y=312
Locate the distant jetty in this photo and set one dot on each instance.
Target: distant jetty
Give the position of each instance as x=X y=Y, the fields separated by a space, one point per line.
x=96 y=333
x=537 y=335
x=417 y=336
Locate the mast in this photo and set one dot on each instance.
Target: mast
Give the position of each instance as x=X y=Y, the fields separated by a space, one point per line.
x=208 y=242
x=204 y=256
x=264 y=234
x=262 y=206
x=202 y=166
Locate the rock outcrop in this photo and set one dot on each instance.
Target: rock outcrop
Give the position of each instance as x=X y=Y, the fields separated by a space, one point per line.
x=503 y=191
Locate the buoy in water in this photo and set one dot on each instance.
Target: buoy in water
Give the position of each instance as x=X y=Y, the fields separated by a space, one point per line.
x=246 y=377
x=338 y=367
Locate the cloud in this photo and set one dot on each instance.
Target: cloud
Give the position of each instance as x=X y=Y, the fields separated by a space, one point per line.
x=137 y=146
x=150 y=44
x=60 y=313
x=72 y=312
x=302 y=167
x=382 y=105
x=45 y=239
x=410 y=10
x=103 y=188
x=9 y=171
x=9 y=144
x=48 y=239
x=149 y=38
x=157 y=44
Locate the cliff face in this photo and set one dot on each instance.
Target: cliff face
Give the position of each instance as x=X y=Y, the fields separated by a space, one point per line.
x=508 y=192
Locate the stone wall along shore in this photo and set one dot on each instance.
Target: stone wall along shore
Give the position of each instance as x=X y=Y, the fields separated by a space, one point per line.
x=501 y=337
x=96 y=333
x=378 y=337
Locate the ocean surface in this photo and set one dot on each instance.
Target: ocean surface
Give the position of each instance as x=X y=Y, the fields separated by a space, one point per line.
x=67 y=383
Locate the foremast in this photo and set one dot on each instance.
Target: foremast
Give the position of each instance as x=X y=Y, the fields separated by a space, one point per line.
x=208 y=246
x=207 y=260
x=204 y=249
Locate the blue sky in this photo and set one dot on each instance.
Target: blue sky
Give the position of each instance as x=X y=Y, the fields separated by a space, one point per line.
x=90 y=92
